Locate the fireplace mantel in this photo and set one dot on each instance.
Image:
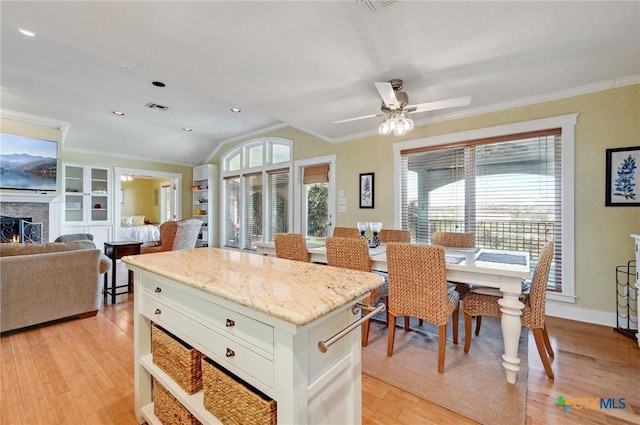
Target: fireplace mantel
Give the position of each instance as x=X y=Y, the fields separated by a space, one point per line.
x=29 y=197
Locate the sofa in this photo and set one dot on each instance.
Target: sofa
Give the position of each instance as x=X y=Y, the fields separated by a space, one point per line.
x=44 y=282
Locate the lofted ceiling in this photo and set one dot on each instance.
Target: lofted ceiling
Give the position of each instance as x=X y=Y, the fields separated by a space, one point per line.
x=304 y=64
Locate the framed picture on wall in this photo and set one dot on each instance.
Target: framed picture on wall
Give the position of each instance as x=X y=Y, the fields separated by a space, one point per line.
x=622 y=177
x=366 y=190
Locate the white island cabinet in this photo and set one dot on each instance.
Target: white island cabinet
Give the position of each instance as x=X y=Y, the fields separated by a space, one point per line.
x=637 y=240
x=270 y=313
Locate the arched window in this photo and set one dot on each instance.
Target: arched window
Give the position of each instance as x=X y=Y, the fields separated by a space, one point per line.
x=256 y=192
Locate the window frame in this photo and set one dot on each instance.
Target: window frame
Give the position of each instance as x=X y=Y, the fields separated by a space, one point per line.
x=567 y=124
x=267 y=166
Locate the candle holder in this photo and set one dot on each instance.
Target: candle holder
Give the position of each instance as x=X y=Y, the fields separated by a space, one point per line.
x=375 y=226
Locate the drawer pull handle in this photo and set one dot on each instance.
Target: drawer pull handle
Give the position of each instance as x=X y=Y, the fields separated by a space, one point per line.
x=158 y=311
x=158 y=289
x=230 y=353
x=230 y=323
x=324 y=345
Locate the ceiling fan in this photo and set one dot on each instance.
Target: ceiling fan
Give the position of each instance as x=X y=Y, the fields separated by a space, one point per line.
x=396 y=108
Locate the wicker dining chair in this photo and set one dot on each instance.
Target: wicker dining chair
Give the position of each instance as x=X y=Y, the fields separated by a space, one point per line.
x=394 y=235
x=456 y=240
x=353 y=253
x=418 y=288
x=168 y=231
x=346 y=232
x=291 y=246
x=533 y=315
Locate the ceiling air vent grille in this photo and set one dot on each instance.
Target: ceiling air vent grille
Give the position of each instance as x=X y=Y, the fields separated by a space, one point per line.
x=157 y=107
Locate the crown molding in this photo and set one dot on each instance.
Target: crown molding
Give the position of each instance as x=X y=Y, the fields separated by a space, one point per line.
x=63 y=126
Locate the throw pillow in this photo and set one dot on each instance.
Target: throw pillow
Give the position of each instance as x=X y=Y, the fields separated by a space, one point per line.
x=138 y=220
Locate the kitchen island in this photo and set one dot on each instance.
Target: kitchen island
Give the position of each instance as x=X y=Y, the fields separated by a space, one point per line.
x=271 y=314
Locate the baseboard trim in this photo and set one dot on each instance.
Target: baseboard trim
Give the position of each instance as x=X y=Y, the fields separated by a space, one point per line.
x=596 y=317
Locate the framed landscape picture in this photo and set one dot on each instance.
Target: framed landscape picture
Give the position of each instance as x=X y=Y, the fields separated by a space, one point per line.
x=366 y=190
x=622 y=177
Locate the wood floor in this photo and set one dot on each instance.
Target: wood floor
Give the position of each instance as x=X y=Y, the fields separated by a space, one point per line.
x=81 y=372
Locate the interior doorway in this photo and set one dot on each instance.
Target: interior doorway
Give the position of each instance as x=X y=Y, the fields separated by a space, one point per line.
x=155 y=194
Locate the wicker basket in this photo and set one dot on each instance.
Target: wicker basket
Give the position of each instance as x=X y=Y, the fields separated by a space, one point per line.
x=168 y=410
x=178 y=359
x=233 y=401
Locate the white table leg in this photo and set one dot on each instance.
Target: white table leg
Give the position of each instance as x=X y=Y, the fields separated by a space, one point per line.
x=511 y=309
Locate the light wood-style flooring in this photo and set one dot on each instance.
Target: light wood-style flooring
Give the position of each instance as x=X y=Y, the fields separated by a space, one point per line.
x=81 y=372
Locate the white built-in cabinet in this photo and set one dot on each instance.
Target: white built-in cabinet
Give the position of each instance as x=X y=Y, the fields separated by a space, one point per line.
x=205 y=178
x=87 y=201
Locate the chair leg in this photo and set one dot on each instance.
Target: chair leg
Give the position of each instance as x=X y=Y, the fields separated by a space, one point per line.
x=478 y=323
x=455 y=325
x=365 y=333
x=467 y=332
x=391 y=336
x=547 y=343
x=386 y=302
x=406 y=324
x=442 y=336
x=539 y=338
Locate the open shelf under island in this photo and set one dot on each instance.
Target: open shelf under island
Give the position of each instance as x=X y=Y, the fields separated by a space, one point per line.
x=270 y=313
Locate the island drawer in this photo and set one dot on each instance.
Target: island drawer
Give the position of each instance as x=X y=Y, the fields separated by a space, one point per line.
x=227 y=321
x=212 y=343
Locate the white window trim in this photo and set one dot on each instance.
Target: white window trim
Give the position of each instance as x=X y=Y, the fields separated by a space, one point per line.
x=298 y=167
x=245 y=170
x=567 y=123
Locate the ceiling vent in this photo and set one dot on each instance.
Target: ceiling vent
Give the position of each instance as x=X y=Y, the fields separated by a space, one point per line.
x=157 y=107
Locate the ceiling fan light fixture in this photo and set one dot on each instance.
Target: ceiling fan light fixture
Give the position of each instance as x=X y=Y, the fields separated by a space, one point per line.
x=396 y=122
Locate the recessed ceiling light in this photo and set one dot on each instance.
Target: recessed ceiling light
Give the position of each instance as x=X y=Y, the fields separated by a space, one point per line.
x=158 y=84
x=236 y=110
x=187 y=129
x=119 y=113
x=27 y=32
x=126 y=67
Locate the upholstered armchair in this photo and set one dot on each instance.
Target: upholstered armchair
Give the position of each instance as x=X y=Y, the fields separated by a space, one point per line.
x=176 y=235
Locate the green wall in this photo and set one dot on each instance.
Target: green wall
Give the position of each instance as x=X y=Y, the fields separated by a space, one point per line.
x=606 y=119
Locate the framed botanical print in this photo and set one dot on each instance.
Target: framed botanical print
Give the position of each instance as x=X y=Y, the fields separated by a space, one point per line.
x=622 y=177
x=366 y=190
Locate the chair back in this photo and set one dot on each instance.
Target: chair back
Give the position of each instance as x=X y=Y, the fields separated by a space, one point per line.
x=291 y=246
x=348 y=253
x=394 y=235
x=186 y=234
x=168 y=231
x=346 y=232
x=417 y=282
x=454 y=239
x=533 y=314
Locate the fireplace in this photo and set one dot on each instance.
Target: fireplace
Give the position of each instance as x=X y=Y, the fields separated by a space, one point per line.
x=19 y=229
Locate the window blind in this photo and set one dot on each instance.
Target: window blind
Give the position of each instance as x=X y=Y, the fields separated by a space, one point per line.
x=252 y=209
x=277 y=202
x=316 y=174
x=506 y=190
x=231 y=225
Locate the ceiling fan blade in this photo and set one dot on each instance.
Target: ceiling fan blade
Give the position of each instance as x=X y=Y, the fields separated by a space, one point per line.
x=439 y=104
x=387 y=94
x=358 y=118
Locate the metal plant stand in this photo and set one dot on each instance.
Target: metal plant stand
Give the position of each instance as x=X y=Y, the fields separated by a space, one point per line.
x=626 y=300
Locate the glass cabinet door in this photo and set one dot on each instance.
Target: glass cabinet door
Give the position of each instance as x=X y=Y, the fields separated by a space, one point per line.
x=99 y=205
x=74 y=194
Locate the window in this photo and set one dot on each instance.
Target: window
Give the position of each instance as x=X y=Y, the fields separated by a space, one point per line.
x=512 y=190
x=256 y=196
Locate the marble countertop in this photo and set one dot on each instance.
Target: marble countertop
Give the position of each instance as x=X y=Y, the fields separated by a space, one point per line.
x=293 y=291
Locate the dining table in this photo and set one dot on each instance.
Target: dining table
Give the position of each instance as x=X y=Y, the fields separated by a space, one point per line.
x=494 y=268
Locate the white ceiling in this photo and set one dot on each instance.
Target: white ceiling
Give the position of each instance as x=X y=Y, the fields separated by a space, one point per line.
x=304 y=64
